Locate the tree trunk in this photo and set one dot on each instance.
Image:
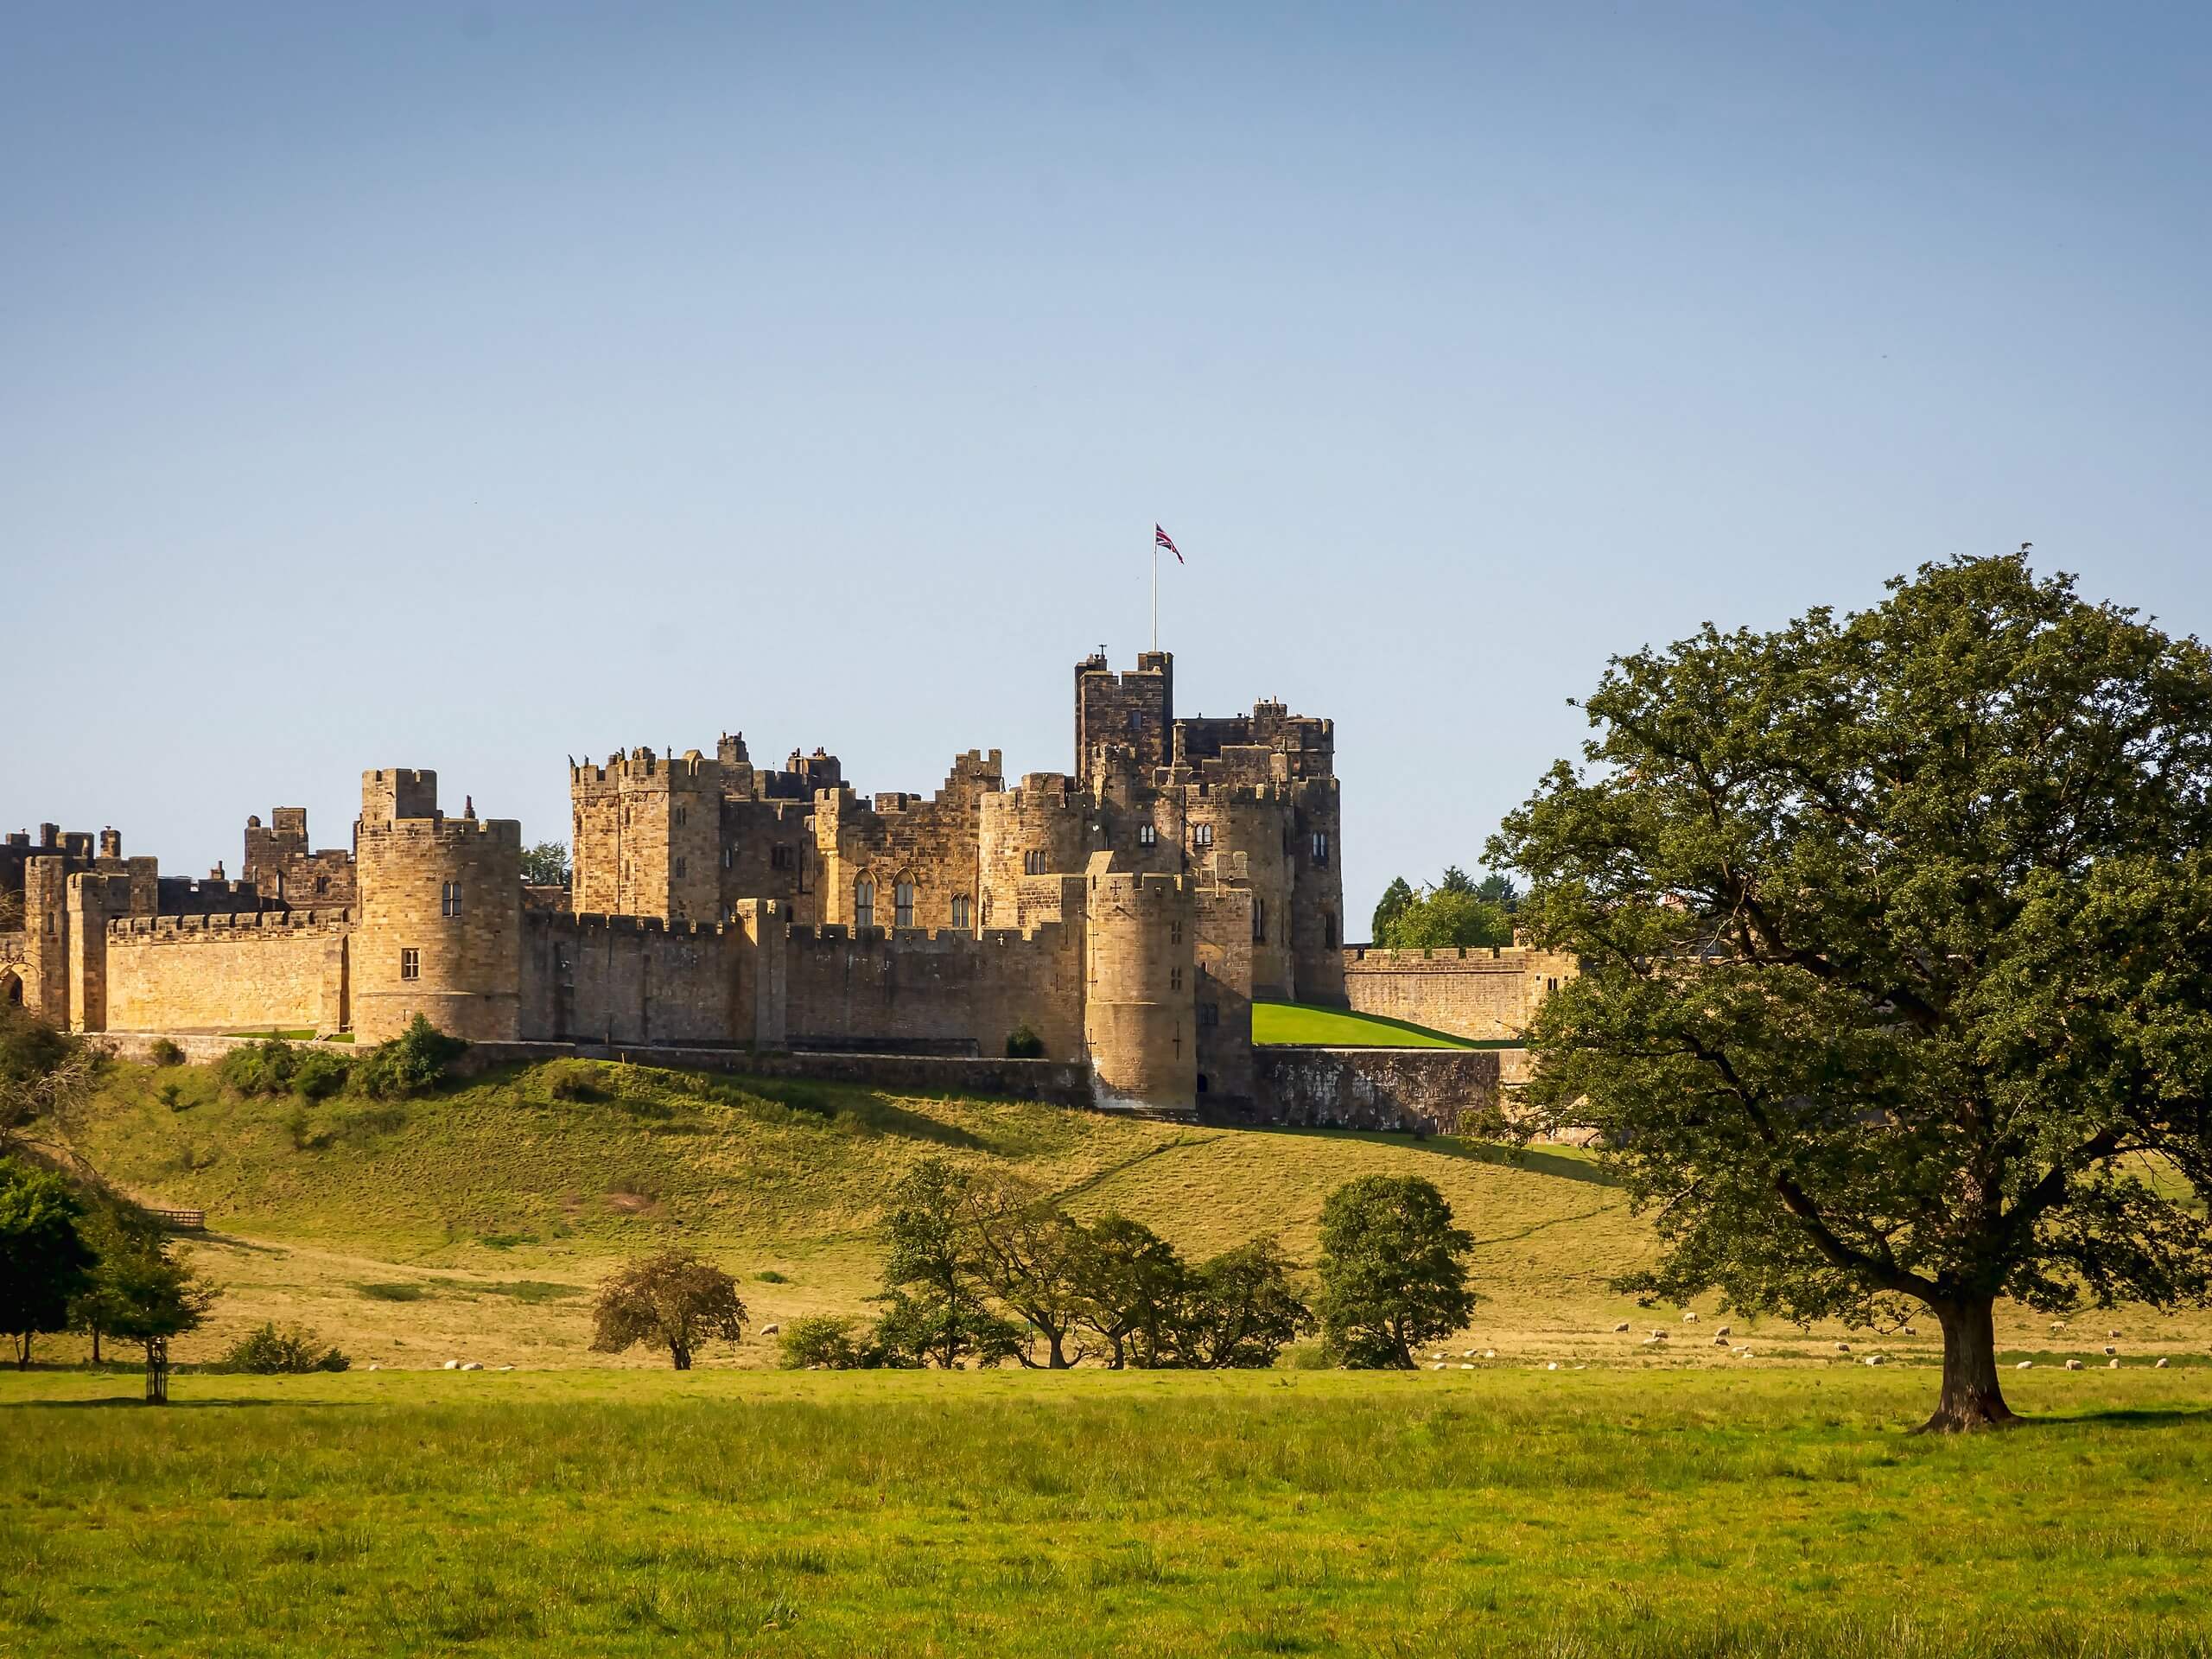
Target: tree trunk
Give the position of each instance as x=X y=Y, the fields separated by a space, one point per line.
x=157 y=1371
x=95 y=1344
x=681 y=1355
x=1054 y=1360
x=1971 y=1396
x=23 y=1352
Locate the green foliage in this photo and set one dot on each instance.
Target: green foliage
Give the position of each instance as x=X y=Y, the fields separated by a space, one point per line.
x=44 y=1261
x=317 y=1074
x=1445 y=918
x=1892 y=932
x=413 y=1063
x=935 y=1293
x=287 y=1350
x=673 y=1300
x=1240 y=1310
x=1023 y=1044
x=1456 y=881
x=820 y=1342
x=262 y=1068
x=1397 y=900
x=1394 y=1271
x=1497 y=889
x=166 y=1052
x=1133 y=1288
x=1031 y=1256
x=546 y=864
x=45 y=1074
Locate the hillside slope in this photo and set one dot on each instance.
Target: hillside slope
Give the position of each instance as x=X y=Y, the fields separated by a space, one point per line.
x=483 y=1214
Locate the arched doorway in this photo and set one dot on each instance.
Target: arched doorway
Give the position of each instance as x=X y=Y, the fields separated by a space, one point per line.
x=11 y=988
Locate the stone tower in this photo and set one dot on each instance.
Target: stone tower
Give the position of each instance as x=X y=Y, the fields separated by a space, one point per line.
x=1140 y=945
x=440 y=931
x=1123 y=720
x=647 y=835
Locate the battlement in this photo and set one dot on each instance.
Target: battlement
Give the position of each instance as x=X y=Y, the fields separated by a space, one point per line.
x=489 y=833
x=642 y=768
x=232 y=924
x=572 y=924
x=390 y=792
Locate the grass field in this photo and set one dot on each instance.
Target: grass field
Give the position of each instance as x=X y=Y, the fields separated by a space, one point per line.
x=1295 y=1022
x=1513 y=1512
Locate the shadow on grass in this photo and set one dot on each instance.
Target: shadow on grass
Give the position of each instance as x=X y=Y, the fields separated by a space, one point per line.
x=1533 y=1158
x=136 y=1402
x=2126 y=1417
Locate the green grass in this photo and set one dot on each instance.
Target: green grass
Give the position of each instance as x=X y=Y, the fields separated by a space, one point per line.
x=301 y=1036
x=1503 y=1512
x=1301 y=1023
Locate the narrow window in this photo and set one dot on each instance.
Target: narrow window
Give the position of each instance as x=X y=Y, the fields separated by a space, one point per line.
x=1259 y=921
x=450 y=898
x=729 y=857
x=680 y=812
x=1202 y=835
x=1209 y=1014
x=960 y=910
x=1033 y=864
x=321 y=883
x=1328 y=929
x=1174 y=979
x=780 y=856
x=1146 y=833
x=411 y=964
x=863 y=903
x=902 y=904
x=1174 y=932
x=1321 y=849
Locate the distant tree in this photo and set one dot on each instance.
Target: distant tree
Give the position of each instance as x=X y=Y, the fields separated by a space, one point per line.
x=1455 y=881
x=283 y=1350
x=1133 y=1283
x=1240 y=1310
x=1394 y=1271
x=1496 y=888
x=674 y=1300
x=153 y=1295
x=820 y=1342
x=112 y=1229
x=412 y=1063
x=1030 y=1255
x=1450 y=916
x=1397 y=898
x=44 y=1261
x=1895 y=987
x=936 y=1295
x=545 y=864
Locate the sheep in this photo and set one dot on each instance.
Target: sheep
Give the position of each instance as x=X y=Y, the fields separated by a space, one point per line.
x=1843 y=1347
x=1690 y=1317
x=2073 y=1364
x=2023 y=1365
x=1621 y=1330
x=2160 y=1366
x=2110 y=1350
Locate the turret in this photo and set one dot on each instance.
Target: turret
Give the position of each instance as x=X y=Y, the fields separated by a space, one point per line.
x=441 y=916
x=1139 y=1020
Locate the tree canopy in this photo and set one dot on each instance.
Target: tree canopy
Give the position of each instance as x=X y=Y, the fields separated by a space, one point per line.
x=673 y=1300
x=1394 y=1270
x=1894 y=985
x=44 y=1261
x=546 y=864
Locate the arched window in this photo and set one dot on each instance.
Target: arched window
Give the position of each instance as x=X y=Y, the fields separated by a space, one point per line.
x=1033 y=862
x=1146 y=833
x=902 y=904
x=1202 y=835
x=1328 y=929
x=1259 y=921
x=1321 y=849
x=960 y=910
x=864 y=903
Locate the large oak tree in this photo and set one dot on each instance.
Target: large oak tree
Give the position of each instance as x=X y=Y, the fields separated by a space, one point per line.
x=1896 y=933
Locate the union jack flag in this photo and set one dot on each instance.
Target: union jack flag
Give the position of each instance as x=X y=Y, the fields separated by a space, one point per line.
x=1161 y=538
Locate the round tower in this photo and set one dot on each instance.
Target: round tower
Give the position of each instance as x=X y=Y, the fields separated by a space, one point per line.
x=440 y=932
x=1038 y=829
x=1139 y=1011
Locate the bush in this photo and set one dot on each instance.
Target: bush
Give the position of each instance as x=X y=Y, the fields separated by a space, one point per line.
x=573 y=1080
x=166 y=1052
x=317 y=1074
x=171 y=1096
x=820 y=1342
x=1025 y=1044
x=290 y=1350
x=262 y=1068
x=410 y=1064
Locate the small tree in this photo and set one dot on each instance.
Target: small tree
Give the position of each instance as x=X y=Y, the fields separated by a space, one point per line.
x=673 y=1300
x=410 y=1064
x=1498 y=889
x=283 y=1350
x=155 y=1294
x=1449 y=917
x=44 y=1261
x=934 y=1289
x=1030 y=1255
x=113 y=1230
x=1394 y=1271
x=1894 y=981
x=1240 y=1310
x=545 y=864
x=1397 y=898
x=820 y=1342
x=1133 y=1284
x=45 y=1075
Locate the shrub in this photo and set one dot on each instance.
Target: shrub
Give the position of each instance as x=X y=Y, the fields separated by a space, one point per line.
x=166 y=1052
x=171 y=1096
x=289 y=1351
x=317 y=1074
x=573 y=1080
x=262 y=1068
x=821 y=1342
x=410 y=1064
x=1025 y=1044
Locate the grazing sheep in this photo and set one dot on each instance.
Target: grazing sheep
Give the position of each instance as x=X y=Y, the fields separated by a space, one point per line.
x=1723 y=1331
x=2110 y=1350
x=1467 y=1367
x=2073 y=1364
x=1719 y=1341
x=771 y=1330
x=1490 y=1353
x=1438 y=1366
x=1690 y=1317
x=1873 y=1359
x=2112 y=1365
x=2112 y=1333
x=472 y=1366
x=1910 y=1331
x=2160 y=1366
x=450 y=1365
x=1843 y=1347
x=2023 y=1365
x=1621 y=1330
x=1551 y=1365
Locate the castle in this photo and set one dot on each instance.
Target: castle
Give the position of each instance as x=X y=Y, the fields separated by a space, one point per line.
x=1124 y=915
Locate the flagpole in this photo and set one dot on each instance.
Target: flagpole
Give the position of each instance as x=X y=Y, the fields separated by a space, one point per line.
x=1155 y=591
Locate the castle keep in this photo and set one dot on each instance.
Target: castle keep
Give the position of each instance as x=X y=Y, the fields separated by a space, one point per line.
x=1125 y=914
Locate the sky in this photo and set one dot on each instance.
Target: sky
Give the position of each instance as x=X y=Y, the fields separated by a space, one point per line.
x=470 y=387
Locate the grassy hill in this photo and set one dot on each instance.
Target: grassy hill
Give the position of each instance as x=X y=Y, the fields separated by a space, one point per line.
x=1298 y=1022
x=474 y=1223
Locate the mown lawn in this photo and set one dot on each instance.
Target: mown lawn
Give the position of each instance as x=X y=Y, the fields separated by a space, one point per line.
x=1557 y=1514
x=1296 y=1022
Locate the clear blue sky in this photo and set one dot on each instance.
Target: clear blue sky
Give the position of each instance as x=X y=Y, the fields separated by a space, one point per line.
x=469 y=386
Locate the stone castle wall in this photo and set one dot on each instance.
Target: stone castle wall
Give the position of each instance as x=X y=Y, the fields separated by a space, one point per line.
x=1485 y=994
x=224 y=973
x=936 y=987
x=630 y=979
